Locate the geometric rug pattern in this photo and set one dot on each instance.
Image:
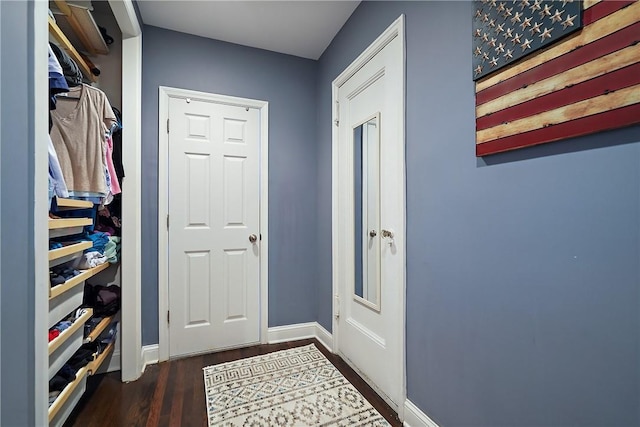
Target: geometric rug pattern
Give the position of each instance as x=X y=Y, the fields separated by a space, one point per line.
x=295 y=387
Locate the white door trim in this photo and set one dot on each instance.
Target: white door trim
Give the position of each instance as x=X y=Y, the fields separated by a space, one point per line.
x=131 y=312
x=339 y=260
x=165 y=93
x=40 y=213
x=130 y=331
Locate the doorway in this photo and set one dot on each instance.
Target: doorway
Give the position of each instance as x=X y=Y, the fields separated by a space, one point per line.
x=369 y=215
x=212 y=222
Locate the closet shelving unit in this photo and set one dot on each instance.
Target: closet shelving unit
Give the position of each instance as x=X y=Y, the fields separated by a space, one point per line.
x=64 y=299
x=67 y=296
x=76 y=32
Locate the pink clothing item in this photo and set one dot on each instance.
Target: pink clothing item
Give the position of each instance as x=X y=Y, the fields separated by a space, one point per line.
x=115 y=185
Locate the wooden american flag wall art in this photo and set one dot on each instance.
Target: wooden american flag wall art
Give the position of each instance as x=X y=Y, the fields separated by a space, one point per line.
x=583 y=81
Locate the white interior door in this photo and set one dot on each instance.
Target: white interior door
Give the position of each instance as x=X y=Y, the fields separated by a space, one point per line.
x=369 y=251
x=214 y=211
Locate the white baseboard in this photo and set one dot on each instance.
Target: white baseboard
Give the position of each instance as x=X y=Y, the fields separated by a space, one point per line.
x=150 y=355
x=300 y=331
x=414 y=417
x=324 y=337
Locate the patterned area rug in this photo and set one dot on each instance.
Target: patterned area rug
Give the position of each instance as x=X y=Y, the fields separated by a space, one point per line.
x=295 y=387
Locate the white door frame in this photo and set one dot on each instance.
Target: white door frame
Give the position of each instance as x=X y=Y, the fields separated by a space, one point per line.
x=131 y=270
x=40 y=214
x=339 y=258
x=165 y=93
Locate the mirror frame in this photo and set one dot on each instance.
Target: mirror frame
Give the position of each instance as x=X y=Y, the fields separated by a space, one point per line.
x=375 y=306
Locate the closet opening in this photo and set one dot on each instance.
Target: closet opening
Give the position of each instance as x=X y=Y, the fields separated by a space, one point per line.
x=93 y=203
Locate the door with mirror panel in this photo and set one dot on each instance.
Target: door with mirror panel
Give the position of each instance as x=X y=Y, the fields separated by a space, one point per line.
x=370 y=253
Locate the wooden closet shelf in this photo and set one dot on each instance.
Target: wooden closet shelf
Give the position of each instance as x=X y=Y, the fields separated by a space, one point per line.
x=66 y=393
x=98 y=329
x=69 y=250
x=79 y=323
x=74 y=281
x=55 y=224
x=64 y=42
x=66 y=204
x=81 y=21
x=93 y=367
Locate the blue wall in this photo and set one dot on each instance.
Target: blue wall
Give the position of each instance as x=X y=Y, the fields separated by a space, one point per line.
x=523 y=302
x=288 y=84
x=17 y=147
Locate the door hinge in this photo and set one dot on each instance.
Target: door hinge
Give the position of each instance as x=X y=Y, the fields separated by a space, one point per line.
x=167 y=221
x=167 y=316
x=337 y=306
x=167 y=125
x=336 y=121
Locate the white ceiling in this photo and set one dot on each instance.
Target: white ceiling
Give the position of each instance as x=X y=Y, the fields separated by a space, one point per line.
x=301 y=28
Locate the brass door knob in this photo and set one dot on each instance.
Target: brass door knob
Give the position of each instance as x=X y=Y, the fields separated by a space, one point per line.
x=253 y=238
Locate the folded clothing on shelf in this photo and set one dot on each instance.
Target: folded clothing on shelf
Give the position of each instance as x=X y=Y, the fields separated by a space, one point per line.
x=65 y=324
x=83 y=356
x=99 y=240
x=91 y=259
x=109 y=334
x=105 y=300
x=91 y=324
x=61 y=273
x=61 y=379
x=112 y=249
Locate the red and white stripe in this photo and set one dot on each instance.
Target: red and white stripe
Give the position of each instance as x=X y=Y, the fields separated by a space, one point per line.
x=586 y=83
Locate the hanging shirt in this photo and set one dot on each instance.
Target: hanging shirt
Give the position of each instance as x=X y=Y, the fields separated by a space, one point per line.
x=78 y=135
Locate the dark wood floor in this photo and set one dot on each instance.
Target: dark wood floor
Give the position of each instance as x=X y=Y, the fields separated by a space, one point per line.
x=172 y=393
